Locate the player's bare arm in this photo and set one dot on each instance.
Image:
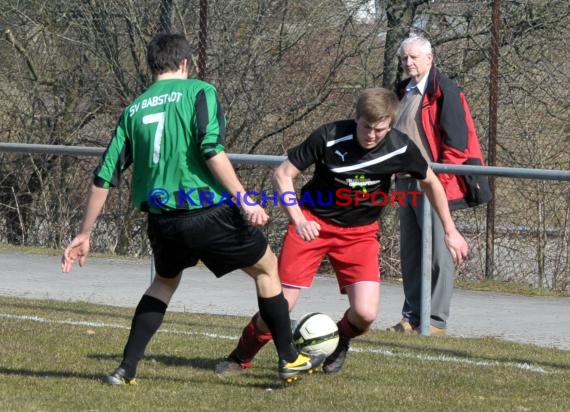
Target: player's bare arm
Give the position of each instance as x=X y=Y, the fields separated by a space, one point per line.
x=79 y=246
x=222 y=168
x=454 y=241
x=283 y=178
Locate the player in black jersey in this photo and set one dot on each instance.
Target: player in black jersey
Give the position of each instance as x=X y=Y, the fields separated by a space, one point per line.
x=337 y=216
x=173 y=135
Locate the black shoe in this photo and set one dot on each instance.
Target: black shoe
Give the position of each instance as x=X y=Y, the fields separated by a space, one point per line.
x=118 y=377
x=334 y=362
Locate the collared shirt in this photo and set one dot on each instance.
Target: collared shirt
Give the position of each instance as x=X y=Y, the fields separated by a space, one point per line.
x=420 y=86
x=409 y=118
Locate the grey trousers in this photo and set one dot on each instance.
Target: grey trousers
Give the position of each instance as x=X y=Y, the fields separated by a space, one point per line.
x=442 y=273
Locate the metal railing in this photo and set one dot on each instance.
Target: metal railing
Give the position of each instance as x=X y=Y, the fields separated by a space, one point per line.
x=267 y=160
x=270 y=160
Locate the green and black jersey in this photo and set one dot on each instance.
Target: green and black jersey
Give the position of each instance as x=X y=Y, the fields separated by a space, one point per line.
x=167 y=133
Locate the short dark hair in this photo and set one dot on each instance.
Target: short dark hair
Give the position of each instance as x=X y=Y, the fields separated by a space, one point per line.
x=166 y=51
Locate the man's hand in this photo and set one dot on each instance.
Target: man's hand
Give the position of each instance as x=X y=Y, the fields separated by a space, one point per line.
x=457 y=246
x=255 y=214
x=78 y=248
x=308 y=230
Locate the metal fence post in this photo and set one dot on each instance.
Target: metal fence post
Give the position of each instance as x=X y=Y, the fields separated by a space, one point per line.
x=151 y=268
x=425 y=317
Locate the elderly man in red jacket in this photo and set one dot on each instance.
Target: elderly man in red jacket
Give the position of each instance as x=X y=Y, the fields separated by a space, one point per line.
x=435 y=115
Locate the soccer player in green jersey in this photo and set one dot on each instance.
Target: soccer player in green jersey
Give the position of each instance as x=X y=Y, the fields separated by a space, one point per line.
x=173 y=136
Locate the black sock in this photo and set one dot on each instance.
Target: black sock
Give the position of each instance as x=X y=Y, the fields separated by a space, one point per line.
x=275 y=312
x=146 y=321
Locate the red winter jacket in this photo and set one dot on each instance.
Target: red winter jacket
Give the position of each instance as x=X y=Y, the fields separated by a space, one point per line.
x=452 y=139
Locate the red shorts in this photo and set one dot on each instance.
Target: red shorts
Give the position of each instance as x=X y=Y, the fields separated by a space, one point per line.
x=352 y=251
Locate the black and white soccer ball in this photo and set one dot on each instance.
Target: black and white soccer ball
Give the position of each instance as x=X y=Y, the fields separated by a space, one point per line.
x=314 y=333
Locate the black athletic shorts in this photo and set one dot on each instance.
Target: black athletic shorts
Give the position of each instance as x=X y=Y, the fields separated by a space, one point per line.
x=219 y=236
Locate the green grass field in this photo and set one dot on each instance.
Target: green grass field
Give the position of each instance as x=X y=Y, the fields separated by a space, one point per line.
x=53 y=355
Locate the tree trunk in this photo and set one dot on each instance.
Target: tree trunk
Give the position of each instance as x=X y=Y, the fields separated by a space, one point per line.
x=400 y=15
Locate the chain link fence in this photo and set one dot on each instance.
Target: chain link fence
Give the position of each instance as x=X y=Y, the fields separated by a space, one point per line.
x=281 y=69
x=532 y=232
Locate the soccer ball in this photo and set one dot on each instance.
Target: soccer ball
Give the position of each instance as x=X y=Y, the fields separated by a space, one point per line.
x=315 y=332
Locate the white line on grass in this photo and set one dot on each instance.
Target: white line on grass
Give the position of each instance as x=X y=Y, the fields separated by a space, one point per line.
x=445 y=358
x=385 y=352
x=108 y=325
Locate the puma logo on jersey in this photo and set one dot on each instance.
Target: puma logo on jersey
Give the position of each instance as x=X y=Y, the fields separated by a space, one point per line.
x=341 y=155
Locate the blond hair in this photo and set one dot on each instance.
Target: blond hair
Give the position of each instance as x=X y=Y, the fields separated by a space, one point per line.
x=377 y=104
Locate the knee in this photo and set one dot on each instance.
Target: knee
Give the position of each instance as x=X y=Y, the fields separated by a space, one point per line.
x=264 y=268
x=165 y=286
x=272 y=257
x=364 y=318
x=170 y=283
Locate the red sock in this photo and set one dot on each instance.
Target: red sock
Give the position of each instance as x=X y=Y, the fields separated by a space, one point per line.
x=250 y=342
x=347 y=329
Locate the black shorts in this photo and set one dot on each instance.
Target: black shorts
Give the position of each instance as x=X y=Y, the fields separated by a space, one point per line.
x=218 y=236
